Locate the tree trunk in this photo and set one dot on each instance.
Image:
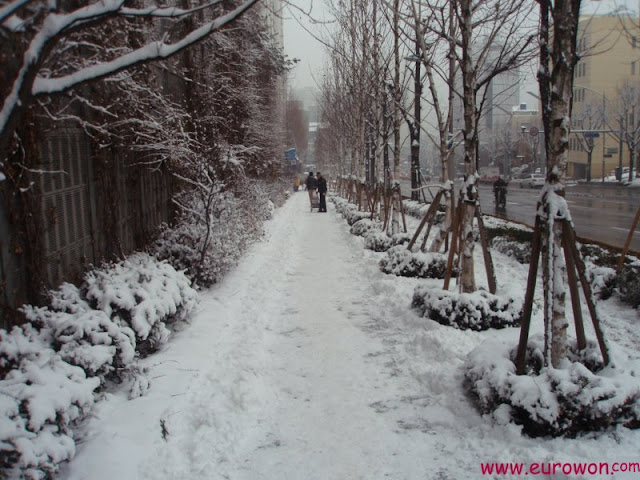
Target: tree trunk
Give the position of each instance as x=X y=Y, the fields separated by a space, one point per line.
x=556 y=90
x=469 y=194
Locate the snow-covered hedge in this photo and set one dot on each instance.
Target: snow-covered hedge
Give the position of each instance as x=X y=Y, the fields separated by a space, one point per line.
x=602 y=279
x=521 y=252
x=41 y=398
x=414 y=208
x=479 y=310
x=142 y=293
x=364 y=226
x=84 y=337
x=629 y=285
x=401 y=262
x=52 y=366
x=379 y=241
x=349 y=211
x=419 y=210
x=580 y=397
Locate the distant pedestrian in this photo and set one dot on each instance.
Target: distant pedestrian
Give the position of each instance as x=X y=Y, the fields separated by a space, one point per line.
x=322 y=190
x=312 y=184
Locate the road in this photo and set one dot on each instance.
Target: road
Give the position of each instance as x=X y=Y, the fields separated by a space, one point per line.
x=602 y=214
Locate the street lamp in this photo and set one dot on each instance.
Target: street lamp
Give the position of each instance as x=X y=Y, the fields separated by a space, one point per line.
x=534 y=133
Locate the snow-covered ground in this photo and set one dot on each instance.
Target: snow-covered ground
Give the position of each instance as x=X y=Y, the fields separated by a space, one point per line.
x=306 y=362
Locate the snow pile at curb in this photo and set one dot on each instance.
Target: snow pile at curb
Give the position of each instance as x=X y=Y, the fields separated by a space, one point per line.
x=478 y=311
x=403 y=263
x=87 y=336
x=580 y=397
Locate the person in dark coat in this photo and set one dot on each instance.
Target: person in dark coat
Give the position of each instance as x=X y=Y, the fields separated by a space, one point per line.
x=312 y=183
x=322 y=190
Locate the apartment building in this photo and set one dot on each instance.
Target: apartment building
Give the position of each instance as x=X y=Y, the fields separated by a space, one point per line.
x=610 y=51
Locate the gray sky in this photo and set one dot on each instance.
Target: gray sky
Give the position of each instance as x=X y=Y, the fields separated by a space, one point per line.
x=299 y=44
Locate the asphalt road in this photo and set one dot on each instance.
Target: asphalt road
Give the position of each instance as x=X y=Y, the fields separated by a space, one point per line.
x=601 y=214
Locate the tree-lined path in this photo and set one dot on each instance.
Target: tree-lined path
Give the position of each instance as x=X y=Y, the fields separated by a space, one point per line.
x=307 y=362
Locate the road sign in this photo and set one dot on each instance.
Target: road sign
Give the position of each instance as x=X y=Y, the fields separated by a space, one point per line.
x=591 y=134
x=533 y=131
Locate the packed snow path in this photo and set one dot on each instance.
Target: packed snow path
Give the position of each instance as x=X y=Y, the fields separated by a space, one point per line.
x=306 y=362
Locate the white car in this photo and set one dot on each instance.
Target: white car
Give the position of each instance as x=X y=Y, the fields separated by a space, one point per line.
x=533 y=180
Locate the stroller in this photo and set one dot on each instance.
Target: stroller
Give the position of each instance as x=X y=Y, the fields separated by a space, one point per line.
x=315 y=201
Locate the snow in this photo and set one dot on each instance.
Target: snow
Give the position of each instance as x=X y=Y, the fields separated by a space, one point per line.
x=306 y=361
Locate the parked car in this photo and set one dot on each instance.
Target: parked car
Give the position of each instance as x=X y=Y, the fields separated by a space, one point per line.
x=533 y=180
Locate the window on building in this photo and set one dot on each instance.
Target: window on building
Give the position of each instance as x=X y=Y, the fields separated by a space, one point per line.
x=633 y=68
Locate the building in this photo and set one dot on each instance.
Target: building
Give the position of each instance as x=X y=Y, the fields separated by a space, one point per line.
x=610 y=57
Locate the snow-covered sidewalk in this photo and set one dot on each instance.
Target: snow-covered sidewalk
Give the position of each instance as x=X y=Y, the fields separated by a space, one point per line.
x=306 y=362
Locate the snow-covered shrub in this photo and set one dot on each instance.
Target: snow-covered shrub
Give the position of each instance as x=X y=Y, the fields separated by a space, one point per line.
x=580 y=397
x=142 y=293
x=341 y=204
x=52 y=365
x=479 y=310
x=603 y=281
x=521 y=252
x=364 y=226
x=207 y=241
x=379 y=241
x=41 y=398
x=353 y=215
x=414 y=208
x=629 y=285
x=403 y=263
x=88 y=339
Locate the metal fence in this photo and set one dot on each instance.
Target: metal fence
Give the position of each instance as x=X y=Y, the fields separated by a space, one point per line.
x=91 y=205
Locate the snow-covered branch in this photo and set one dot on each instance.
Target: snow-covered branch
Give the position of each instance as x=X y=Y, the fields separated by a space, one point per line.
x=31 y=79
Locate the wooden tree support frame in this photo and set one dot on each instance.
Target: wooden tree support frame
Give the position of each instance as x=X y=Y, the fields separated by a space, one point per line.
x=484 y=242
x=429 y=218
x=634 y=224
x=576 y=270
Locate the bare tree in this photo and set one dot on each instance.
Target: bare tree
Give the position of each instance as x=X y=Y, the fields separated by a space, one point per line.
x=624 y=122
x=493 y=39
x=558 y=58
x=588 y=119
x=37 y=32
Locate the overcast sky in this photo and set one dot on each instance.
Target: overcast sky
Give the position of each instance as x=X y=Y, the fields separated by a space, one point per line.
x=300 y=44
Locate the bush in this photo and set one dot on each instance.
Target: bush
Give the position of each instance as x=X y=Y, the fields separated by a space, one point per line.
x=364 y=226
x=581 y=397
x=629 y=285
x=603 y=281
x=52 y=366
x=41 y=398
x=206 y=250
x=479 y=310
x=519 y=251
x=401 y=262
x=142 y=293
x=83 y=337
x=352 y=215
x=381 y=242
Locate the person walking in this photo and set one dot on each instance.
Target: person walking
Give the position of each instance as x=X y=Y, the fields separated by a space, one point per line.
x=322 y=190
x=312 y=184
